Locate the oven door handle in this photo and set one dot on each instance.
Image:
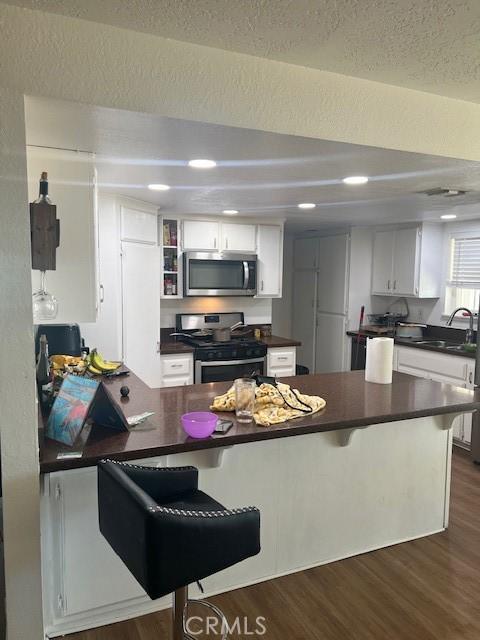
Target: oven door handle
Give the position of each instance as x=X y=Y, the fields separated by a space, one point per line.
x=217 y=363
x=246 y=274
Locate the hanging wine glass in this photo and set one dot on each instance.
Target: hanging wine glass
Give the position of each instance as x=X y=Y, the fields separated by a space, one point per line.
x=45 y=306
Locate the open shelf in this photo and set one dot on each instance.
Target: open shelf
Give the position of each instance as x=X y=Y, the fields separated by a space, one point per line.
x=170 y=259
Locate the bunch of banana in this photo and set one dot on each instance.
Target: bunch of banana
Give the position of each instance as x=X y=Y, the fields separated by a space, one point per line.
x=98 y=366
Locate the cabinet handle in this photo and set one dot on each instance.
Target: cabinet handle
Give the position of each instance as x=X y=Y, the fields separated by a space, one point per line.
x=282 y=358
x=226 y=243
x=175 y=366
x=388 y=285
x=261 y=286
x=214 y=243
x=470 y=377
x=158 y=346
x=102 y=293
x=394 y=285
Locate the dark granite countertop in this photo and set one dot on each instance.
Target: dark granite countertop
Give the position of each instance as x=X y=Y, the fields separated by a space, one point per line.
x=171 y=345
x=414 y=343
x=351 y=402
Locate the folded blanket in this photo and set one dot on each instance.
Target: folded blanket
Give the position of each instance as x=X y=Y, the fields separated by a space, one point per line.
x=270 y=407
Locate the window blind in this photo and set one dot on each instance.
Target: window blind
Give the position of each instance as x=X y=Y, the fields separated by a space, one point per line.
x=465 y=263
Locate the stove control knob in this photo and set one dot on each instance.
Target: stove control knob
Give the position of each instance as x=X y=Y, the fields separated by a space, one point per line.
x=249 y=353
x=218 y=355
x=210 y=355
x=234 y=353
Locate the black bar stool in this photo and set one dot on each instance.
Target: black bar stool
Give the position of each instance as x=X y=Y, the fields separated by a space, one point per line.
x=169 y=533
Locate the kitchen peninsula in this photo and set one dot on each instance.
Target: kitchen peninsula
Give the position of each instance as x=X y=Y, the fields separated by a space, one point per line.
x=372 y=469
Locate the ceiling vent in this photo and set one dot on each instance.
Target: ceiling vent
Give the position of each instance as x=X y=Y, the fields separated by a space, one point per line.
x=441 y=191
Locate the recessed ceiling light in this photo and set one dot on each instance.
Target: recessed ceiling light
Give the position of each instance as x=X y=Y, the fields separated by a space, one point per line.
x=306 y=205
x=158 y=187
x=355 y=180
x=230 y=212
x=449 y=216
x=202 y=163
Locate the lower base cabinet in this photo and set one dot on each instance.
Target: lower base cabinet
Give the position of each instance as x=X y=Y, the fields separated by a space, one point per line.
x=440 y=367
x=281 y=361
x=177 y=369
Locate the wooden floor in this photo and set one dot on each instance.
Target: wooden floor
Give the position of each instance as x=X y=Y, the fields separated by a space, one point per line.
x=428 y=589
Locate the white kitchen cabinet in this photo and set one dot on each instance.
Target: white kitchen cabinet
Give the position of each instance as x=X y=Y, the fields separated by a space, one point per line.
x=200 y=235
x=141 y=311
x=305 y=253
x=177 y=369
x=407 y=261
x=440 y=367
x=138 y=225
x=383 y=262
x=72 y=187
x=85 y=582
x=238 y=237
x=281 y=361
x=270 y=261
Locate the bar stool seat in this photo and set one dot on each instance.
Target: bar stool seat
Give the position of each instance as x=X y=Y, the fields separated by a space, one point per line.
x=168 y=532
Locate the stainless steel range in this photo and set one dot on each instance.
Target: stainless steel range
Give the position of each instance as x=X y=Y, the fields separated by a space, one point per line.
x=226 y=360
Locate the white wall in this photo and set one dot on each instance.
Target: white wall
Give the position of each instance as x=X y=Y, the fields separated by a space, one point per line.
x=53 y=55
x=256 y=310
x=18 y=418
x=71 y=185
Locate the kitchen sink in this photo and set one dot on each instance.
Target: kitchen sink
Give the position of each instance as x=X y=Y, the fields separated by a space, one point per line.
x=444 y=344
x=449 y=346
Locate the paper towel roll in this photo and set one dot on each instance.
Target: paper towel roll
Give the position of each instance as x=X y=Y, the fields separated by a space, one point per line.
x=379 y=364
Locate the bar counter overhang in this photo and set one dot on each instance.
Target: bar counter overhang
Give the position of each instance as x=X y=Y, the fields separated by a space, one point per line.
x=371 y=470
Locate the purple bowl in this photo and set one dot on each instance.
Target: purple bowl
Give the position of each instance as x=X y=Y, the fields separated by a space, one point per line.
x=199 y=424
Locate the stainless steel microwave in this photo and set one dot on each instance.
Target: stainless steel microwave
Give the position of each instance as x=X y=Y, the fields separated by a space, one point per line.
x=219 y=274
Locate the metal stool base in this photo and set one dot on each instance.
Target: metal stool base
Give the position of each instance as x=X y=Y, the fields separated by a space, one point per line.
x=180 y=609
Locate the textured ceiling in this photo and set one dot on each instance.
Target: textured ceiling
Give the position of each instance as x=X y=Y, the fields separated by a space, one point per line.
x=429 y=45
x=261 y=174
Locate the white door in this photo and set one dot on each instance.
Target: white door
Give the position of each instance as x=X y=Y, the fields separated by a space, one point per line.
x=405 y=265
x=383 y=248
x=141 y=311
x=332 y=273
x=239 y=237
x=305 y=253
x=304 y=310
x=330 y=343
x=270 y=261
x=199 y=235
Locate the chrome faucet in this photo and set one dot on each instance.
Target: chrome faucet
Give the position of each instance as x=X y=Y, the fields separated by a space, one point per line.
x=469 y=331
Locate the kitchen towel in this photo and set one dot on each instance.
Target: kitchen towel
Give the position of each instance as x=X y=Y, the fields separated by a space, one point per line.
x=379 y=365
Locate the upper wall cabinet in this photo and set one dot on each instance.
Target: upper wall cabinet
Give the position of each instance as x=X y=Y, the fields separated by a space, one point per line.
x=72 y=186
x=270 y=261
x=238 y=237
x=199 y=235
x=407 y=261
x=138 y=225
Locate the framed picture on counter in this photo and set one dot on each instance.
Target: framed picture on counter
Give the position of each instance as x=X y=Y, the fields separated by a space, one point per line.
x=81 y=399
